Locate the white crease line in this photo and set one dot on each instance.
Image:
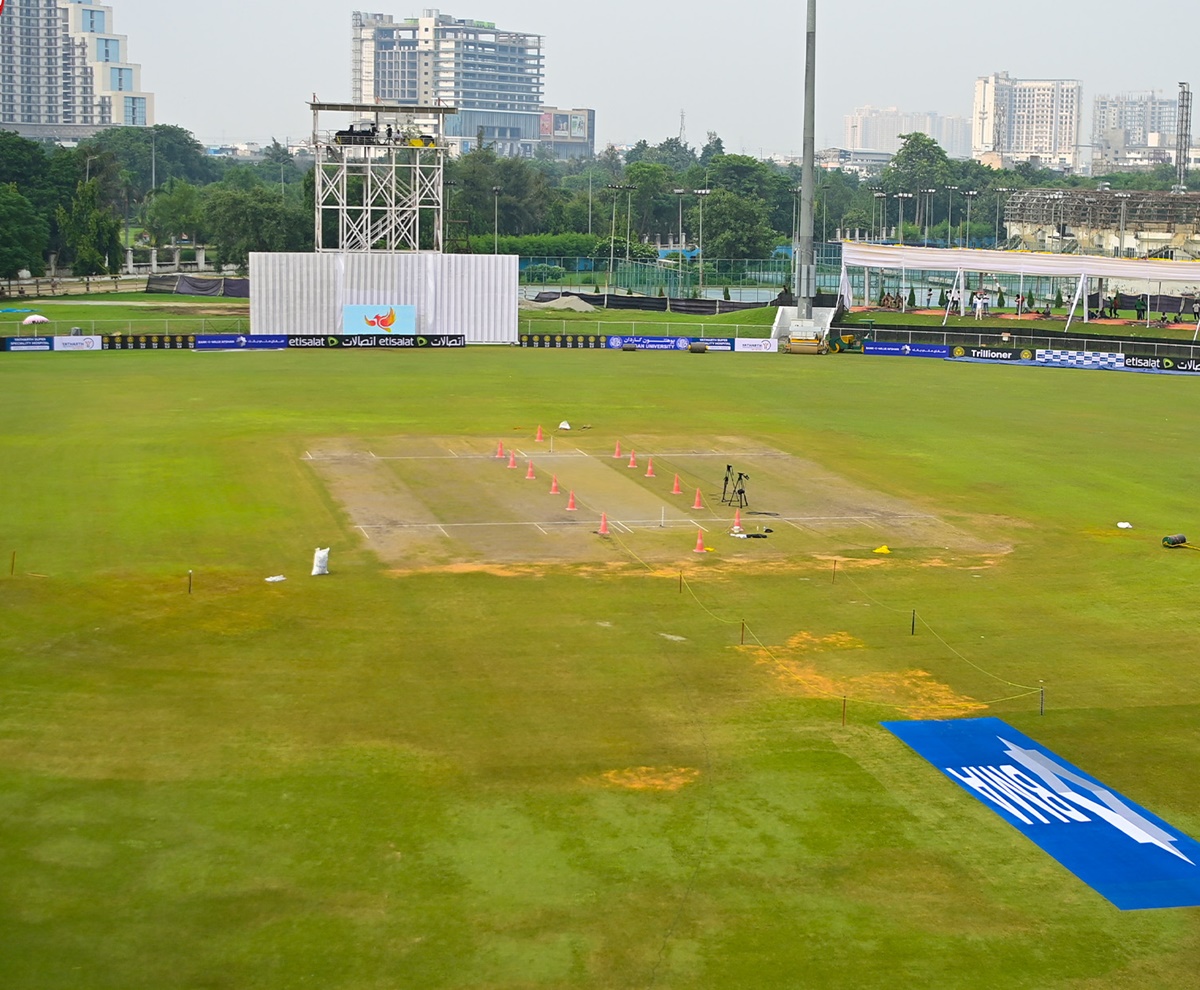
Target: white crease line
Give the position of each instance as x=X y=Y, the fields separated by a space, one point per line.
x=540 y=530
x=444 y=533
x=364 y=532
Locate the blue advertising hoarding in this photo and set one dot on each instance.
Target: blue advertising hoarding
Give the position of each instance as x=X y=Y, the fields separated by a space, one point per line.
x=906 y=350
x=387 y=318
x=1119 y=849
x=27 y=343
x=616 y=343
x=241 y=342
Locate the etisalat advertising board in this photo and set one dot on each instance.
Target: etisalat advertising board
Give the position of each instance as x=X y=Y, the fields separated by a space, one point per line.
x=1120 y=850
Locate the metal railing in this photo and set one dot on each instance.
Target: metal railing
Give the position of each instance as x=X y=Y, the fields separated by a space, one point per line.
x=179 y=325
x=634 y=328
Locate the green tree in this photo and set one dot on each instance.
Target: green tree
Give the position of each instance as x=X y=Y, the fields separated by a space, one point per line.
x=172 y=211
x=242 y=221
x=91 y=233
x=653 y=202
x=26 y=234
x=713 y=147
x=736 y=226
x=919 y=164
x=154 y=154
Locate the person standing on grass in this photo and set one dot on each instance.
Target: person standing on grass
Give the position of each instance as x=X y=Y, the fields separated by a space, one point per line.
x=1196 y=309
x=979 y=305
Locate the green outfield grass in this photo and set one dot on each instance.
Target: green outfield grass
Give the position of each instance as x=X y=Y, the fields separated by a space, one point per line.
x=575 y=776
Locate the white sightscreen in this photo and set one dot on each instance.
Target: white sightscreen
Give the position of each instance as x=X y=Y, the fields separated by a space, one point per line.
x=474 y=295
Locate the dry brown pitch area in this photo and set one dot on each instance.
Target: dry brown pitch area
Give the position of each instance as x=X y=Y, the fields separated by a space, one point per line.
x=440 y=501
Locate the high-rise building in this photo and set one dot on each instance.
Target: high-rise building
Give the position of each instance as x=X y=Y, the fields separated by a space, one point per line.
x=64 y=72
x=495 y=78
x=1017 y=120
x=1132 y=131
x=879 y=129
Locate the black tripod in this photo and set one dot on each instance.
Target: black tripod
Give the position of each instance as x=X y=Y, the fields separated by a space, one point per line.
x=738 y=495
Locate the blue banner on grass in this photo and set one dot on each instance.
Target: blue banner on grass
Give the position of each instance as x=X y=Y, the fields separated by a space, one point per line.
x=1120 y=850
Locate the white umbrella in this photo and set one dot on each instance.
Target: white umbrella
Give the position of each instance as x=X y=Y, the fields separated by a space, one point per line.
x=36 y=318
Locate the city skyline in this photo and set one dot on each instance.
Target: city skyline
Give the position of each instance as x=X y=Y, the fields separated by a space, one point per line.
x=640 y=67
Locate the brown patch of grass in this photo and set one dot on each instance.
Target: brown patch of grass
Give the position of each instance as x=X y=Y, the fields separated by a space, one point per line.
x=914 y=692
x=651 y=778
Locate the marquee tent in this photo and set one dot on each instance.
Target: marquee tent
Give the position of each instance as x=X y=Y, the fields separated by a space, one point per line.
x=1080 y=267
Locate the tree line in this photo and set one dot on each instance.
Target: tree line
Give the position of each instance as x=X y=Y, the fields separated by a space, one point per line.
x=81 y=203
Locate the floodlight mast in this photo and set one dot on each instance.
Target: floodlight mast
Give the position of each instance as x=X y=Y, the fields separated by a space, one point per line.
x=806 y=272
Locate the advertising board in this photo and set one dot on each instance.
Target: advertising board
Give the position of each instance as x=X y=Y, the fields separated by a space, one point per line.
x=28 y=343
x=387 y=318
x=906 y=350
x=84 y=342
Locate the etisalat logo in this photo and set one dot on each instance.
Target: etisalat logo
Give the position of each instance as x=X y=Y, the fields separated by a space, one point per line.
x=1050 y=792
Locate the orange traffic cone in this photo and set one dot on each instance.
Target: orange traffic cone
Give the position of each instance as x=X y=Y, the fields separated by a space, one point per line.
x=529 y=475
x=650 y=467
x=512 y=458
x=676 y=490
x=632 y=459
x=603 y=530
x=539 y=438
x=699 y=542
x=571 y=502
x=737 y=520
x=699 y=503
x=554 y=484
x=617 y=451
x=500 y=450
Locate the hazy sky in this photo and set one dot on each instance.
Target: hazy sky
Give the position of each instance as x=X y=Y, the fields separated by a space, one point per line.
x=236 y=70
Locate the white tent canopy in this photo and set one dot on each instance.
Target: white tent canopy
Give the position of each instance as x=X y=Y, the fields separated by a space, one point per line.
x=855 y=255
x=1078 y=267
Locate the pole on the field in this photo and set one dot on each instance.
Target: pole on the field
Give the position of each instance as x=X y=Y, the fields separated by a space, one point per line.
x=914 y=623
x=843 y=711
x=189 y=582
x=1042 y=702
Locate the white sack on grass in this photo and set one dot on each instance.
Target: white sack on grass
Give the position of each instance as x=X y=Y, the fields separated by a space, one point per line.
x=274 y=578
x=320 y=561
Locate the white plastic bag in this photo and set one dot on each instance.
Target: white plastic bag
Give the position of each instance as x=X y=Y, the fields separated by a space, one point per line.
x=320 y=562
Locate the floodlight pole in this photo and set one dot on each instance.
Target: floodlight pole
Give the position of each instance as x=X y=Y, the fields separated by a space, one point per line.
x=996 y=228
x=681 y=193
x=950 y=216
x=804 y=257
x=495 y=219
x=1124 y=198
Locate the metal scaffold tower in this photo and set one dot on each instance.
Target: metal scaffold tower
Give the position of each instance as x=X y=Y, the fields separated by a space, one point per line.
x=380 y=181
